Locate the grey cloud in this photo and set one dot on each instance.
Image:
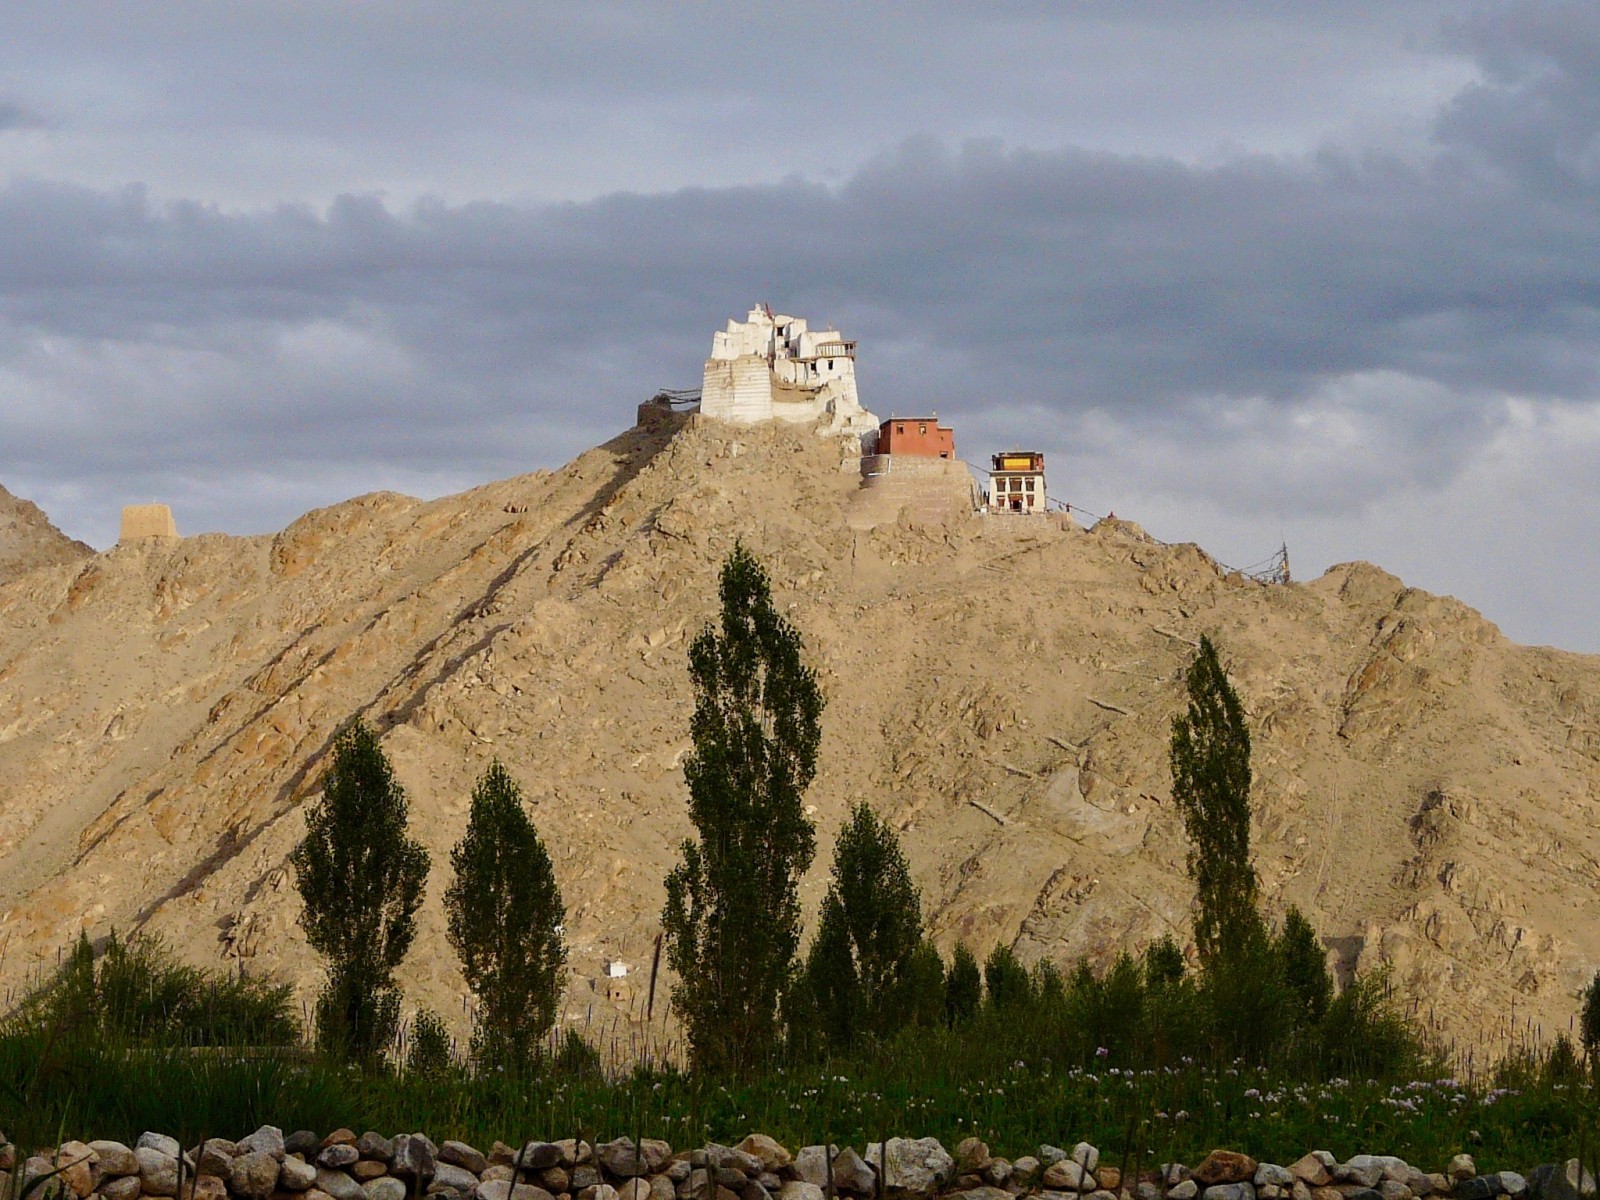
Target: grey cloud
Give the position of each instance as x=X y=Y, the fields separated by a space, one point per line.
x=18 y=116
x=1298 y=337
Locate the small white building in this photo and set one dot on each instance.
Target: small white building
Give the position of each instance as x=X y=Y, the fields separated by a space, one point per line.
x=775 y=367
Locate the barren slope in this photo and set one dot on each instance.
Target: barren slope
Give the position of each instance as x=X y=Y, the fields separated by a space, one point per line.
x=1001 y=688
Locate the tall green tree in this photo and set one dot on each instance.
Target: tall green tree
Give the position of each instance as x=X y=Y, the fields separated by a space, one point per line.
x=360 y=879
x=1210 y=758
x=732 y=916
x=871 y=926
x=505 y=920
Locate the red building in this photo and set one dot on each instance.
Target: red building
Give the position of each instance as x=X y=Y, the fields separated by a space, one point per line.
x=922 y=436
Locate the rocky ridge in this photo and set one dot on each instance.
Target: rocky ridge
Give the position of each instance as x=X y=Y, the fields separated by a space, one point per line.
x=1000 y=688
x=28 y=540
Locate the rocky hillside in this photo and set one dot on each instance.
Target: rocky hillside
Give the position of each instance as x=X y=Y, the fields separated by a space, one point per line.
x=1001 y=688
x=28 y=540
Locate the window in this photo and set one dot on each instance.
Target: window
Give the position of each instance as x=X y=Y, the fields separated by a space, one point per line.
x=922 y=429
x=1029 y=486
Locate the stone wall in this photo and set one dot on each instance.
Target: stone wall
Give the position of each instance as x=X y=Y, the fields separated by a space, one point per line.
x=266 y=1165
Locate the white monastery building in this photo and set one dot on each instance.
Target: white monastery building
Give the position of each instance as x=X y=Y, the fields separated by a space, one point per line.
x=773 y=367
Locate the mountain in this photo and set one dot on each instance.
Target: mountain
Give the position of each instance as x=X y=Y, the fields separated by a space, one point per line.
x=28 y=540
x=1001 y=688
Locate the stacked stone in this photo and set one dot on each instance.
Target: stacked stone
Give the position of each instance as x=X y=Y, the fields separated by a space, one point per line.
x=343 y=1166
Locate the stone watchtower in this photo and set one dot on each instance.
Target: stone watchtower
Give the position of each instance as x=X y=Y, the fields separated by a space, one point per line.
x=145 y=521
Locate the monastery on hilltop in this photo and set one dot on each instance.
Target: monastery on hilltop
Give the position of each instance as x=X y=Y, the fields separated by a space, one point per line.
x=773 y=367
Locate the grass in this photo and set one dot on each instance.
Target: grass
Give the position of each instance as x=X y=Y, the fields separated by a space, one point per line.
x=1136 y=1116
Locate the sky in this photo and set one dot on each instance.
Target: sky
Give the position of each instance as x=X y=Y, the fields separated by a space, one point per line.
x=1325 y=273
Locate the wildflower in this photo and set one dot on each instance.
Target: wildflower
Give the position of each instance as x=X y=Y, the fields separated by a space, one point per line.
x=1102 y=1052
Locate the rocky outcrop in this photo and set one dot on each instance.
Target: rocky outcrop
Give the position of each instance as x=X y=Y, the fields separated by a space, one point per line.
x=29 y=541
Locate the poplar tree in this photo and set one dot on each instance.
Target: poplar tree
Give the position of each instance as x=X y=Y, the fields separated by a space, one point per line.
x=505 y=918
x=360 y=879
x=1210 y=758
x=732 y=916
x=871 y=926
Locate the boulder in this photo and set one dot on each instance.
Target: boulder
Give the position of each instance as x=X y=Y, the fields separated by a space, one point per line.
x=368 y=1169
x=662 y=1188
x=554 y=1180
x=982 y=1193
x=1512 y=1184
x=159 y=1142
x=338 y=1156
x=811 y=1165
x=634 y=1189
x=386 y=1187
x=206 y=1187
x=766 y=1151
x=303 y=1142
x=459 y=1154
x=158 y=1172
x=296 y=1175
x=997 y=1173
x=537 y=1156
x=1270 y=1174
x=266 y=1140
x=76 y=1163
x=754 y=1191
x=1064 y=1175
x=1461 y=1167
x=374 y=1147
x=254 y=1174
x=216 y=1156
x=500 y=1189
x=1238 y=1190
x=1086 y=1156
x=1049 y=1156
x=1225 y=1166
x=497 y=1171
x=1314 y=1169
x=413 y=1159
x=1476 y=1187
x=1109 y=1178
x=1357 y=1192
x=1186 y=1190
x=972 y=1157
x=1551 y=1181
x=1393 y=1189
x=1364 y=1170
x=799 y=1189
x=448 y=1177
x=40 y=1167
x=122 y=1187
x=912 y=1166
x=851 y=1174
x=1025 y=1170
x=339 y=1185
x=340 y=1137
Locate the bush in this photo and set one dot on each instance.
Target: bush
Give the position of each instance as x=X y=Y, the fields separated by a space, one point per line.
x=428 y=1051
x=963 y=988
x=138 y=993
